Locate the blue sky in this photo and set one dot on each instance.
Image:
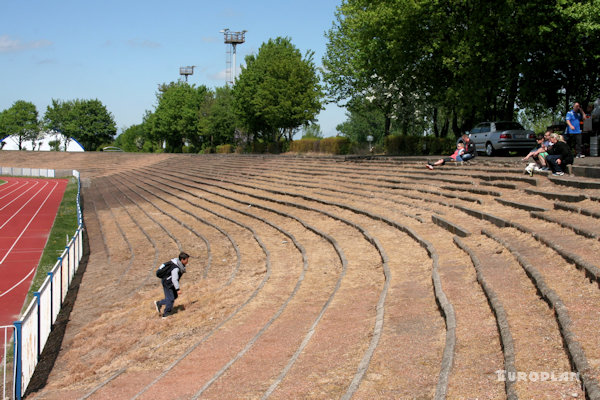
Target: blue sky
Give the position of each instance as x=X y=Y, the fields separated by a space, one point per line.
x=120 y=51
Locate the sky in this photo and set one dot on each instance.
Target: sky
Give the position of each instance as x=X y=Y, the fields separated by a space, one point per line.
x=120 y=51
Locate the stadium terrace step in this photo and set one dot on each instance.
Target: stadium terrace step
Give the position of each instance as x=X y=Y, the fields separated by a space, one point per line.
x=521 y=206
x=572 y=198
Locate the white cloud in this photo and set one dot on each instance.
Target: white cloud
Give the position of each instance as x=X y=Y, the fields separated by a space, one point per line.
x=211 y=39
x=7 y=44
x=143 y=43
x=219 y=76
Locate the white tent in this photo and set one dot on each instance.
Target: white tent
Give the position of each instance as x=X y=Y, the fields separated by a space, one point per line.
x=42 y=143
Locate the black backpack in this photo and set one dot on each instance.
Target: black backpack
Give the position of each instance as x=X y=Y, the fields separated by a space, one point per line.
x=164 y=271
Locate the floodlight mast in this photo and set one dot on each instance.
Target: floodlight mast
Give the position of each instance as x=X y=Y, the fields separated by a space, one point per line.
x=232 y=39
x=186 y=71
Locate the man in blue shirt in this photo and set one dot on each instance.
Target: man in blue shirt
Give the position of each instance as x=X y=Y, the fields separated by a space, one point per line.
x=574 y=118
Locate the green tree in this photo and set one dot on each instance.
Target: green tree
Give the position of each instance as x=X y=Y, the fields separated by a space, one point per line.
x=87 y=121
x=361 y=61
x=277 y=91
x=364 y=119
x=58 y=118
x=312 y=131
x=20 y=120
x=450 y=64
x=221 y=118
x=180 y=117
x=132 y=139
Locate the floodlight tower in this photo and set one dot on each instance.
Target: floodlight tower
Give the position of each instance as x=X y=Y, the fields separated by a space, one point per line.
x=186 y=71
x=232 y=39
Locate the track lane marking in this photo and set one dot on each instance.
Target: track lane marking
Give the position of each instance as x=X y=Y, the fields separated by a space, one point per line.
x=29 y=223
x=15 y=199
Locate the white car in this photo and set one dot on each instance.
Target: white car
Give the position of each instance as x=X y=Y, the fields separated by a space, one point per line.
x=501 y=136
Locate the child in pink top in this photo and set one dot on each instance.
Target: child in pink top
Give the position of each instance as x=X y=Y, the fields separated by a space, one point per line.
x=456 y=156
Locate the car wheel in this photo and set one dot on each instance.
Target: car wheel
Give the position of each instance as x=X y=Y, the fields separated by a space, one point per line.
x=489 y=150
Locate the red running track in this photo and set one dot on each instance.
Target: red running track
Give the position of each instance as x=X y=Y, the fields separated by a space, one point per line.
x=28 y=207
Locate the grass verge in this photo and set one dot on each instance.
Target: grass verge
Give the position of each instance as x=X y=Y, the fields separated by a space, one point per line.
x=65 y=225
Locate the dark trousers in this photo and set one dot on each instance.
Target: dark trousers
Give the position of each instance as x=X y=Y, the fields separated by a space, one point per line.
x=577 y=138
x=554 y=166
x=170 y=296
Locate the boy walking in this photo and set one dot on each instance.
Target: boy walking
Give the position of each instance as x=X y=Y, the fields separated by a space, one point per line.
x=173 y=269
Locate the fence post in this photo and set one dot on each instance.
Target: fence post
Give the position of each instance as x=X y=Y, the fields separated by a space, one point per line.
x=51 y=275
x=18 y=348
x=75 y=244
x=39 y=321
x=68 y=264
x=61 y=278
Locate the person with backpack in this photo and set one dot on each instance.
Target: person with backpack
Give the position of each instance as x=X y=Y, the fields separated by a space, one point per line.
x=170 y=273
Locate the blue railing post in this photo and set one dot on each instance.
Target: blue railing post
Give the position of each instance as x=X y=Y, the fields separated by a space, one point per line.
x=18 y=349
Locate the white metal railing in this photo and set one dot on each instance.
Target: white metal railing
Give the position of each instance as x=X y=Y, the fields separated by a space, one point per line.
x=30 y=333
x=7 y=334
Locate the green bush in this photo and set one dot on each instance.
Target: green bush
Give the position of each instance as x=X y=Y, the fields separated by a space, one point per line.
x=335 y=145
x=418 y=145
x=305 y=145
x=274 y=147
x=225 y=148
x=258 y=147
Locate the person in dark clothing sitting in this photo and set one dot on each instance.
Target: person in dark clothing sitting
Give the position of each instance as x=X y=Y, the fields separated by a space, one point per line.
x=470 y=151
x=559 y=155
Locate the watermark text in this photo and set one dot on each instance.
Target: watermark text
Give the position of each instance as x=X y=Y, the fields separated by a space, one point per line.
x=537 y=376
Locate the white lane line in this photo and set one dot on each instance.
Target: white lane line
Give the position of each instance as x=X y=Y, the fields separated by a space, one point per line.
x=23 y=206
x=29 y=223
x=15 y=198
x=7 y=186
x=13 y=187
x=18 y=283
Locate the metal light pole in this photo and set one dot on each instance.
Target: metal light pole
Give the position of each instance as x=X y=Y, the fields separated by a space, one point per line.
x=370 y=139
x=186 y=71
x=232 y=39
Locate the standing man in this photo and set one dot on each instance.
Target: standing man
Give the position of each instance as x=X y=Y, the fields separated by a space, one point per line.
x=574 y=118
x=171 y=274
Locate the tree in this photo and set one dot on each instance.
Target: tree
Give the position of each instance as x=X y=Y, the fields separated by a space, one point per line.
x=58 y=118
x=132 y=139
x=20 y=120
x=96 y=124
x=460 y=61
x=222 y=120
x=180 y=116
x=312 y=131
x=360 y=60
x=364 y=119
x=277 y=91
x=87 y=121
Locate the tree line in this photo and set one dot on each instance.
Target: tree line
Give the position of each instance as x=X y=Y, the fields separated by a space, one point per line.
x=87 y=121
x=442 y=66
x=399 y=67
x=276 y=93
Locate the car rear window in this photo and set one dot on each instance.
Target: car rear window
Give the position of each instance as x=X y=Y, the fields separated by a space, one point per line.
x=507 y=126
